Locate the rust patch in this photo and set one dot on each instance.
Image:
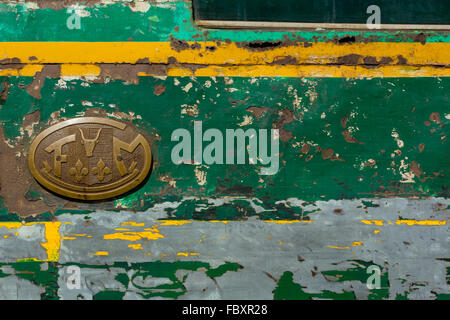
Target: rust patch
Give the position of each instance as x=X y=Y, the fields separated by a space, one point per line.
x=180 y=45
x=305 y=148
x=14 y=66
x=349 y=59
x=4 y=92
x=31 y=118
x=435 y=117
x=344 y=122
x=129 y=72
x=421 y=37
x=48 y=71
x=15 y=180
x=10 y=61
x=401 y=60
x=259 y=45
x=349 y=138
x=159 y=90
x=370 y=60
x=327 y=153
x=286 y=116
x=415 y=168
x=258 y=112
x=421 y=147
x=287 y=60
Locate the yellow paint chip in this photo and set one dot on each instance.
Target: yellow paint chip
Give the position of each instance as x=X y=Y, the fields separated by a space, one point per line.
x=334 y=247
x=133 y=236
x=137 y=246
x=132 y=224
x=101 y=253
x=186 y=254
x=85 y=70
x=174 y=222
x=53 y=237
x=375 y=222
x=423 y=222
x=288 y=221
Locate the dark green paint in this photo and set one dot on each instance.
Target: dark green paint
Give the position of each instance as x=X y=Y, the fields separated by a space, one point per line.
x=324 y=11
x=48 y=278
x=287 y=289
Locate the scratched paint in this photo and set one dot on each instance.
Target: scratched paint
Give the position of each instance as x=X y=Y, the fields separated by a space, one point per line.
x=363 y=155
x=297 y=264
x=350 y=139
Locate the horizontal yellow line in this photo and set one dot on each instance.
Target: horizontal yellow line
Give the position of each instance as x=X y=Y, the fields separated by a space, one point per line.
x=213 y=53
x=407 y=222
x=320 y=71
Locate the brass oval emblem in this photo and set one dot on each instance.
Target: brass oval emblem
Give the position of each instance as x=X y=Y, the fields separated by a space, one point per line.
x=90 y=158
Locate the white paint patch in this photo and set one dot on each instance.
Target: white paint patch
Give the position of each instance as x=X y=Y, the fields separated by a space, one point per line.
x=200 y=174
x=61 y=84
x=247 y=120
x=187 y=87
x=189 y=110
x=396 y=136
x=140 y=6
x=407 y=175
x=86 y=104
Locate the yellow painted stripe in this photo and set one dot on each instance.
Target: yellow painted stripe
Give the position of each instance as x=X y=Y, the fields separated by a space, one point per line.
x=231 y=53
x=294 y=71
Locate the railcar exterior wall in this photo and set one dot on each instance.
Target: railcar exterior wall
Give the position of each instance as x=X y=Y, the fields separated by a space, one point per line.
x=363 y=152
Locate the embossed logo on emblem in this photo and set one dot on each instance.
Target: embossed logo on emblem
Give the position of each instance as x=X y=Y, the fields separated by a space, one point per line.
x=90 y=158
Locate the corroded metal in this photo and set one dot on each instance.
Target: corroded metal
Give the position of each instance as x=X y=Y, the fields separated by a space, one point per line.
x=90 y=158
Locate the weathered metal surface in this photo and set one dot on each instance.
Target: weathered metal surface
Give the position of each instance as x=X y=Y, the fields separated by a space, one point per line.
x=362 y=176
